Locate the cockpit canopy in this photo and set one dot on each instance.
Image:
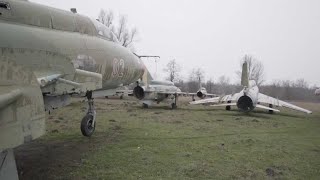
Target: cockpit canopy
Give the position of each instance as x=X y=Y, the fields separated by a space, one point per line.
x=104 y=32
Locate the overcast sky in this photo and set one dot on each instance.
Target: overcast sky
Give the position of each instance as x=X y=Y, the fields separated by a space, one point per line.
x=214 y=35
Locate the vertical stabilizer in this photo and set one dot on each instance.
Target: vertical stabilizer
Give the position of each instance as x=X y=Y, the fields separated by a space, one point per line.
x=146 y=78
x=244 y=76
x=200 y=85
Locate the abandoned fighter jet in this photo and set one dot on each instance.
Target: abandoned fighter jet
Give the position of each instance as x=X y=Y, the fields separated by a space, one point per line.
x=201 y=93
x=156 y=91
x=47 y=55
x=249 y=98
x=317 y=92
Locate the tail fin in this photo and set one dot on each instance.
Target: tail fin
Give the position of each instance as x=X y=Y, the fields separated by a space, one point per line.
x=146 y=78
x=244 y=76
x=200 y=85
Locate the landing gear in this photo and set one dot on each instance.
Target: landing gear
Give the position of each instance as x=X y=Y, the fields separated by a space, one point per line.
x=88 y=123
x=270 y=111
x=121 y=97
x=228 y=108
x=174 y=102
x=193 y=99
x=144 y=105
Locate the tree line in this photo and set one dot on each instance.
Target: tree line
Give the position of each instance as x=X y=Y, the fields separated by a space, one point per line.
x=298 y=90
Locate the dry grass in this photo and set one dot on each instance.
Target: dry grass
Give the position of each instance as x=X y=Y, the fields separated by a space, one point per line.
x=192 y=142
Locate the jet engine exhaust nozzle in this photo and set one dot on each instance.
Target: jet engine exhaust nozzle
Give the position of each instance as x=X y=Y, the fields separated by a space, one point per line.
x=200 y=95
x=138 y=92
x=245 y=104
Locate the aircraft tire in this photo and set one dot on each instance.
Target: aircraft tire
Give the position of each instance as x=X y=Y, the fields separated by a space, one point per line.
x=145 y=105
x=228 y=108
x=270 y=112
x=86 y=125
x=174 y=106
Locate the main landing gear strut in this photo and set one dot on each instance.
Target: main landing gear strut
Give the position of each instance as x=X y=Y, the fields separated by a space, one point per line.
x=174 y=102
x=88 y=123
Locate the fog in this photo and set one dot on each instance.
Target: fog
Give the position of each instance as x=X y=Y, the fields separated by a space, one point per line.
x=214 y=35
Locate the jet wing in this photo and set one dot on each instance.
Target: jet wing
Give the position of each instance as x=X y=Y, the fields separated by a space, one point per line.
x=223 y=99
x=267 y=108
x=270 y=100
x=125 y=91
x=206 y=101
x=211 y=95
x=169 y=92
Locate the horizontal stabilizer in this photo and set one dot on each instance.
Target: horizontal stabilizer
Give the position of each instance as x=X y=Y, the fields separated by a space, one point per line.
x=267 y=108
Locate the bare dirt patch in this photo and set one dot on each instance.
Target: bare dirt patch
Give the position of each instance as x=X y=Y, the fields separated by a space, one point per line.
x=48 y=159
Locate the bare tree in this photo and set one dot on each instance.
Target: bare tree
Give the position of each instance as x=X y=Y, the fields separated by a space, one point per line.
x=125 y=35
x=223 y=83
x=224 y=80
x=209 y=85
x=255 y=69
x=173 y=69
x=301 y=83
x=106 y=17
x=195 y=75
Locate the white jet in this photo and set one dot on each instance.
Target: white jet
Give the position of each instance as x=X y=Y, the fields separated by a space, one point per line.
x=155 y=91
x=317 y=92
x=249 y=98
x=201 y=93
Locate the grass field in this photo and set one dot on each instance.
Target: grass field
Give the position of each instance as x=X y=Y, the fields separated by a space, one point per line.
x=192 y=142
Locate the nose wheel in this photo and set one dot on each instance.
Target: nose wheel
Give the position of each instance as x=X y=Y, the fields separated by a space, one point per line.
x=174 y=102
x=193 y=99
x=270 y=111
x=88 y=124
x=145 y=106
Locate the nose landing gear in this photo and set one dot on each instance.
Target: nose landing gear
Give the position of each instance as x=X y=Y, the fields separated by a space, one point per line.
x=228 y=108
x=174 y=102
x=88 y=123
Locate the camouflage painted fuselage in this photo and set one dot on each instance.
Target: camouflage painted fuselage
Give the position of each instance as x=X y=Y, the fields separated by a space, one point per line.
x=38 y=42
x=49 y=40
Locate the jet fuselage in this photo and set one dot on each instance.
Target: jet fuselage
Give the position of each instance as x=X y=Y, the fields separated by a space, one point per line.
x=156 y=91
x=47 y=54
x=248 y=98
x=202 y=93
x=34 y=35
